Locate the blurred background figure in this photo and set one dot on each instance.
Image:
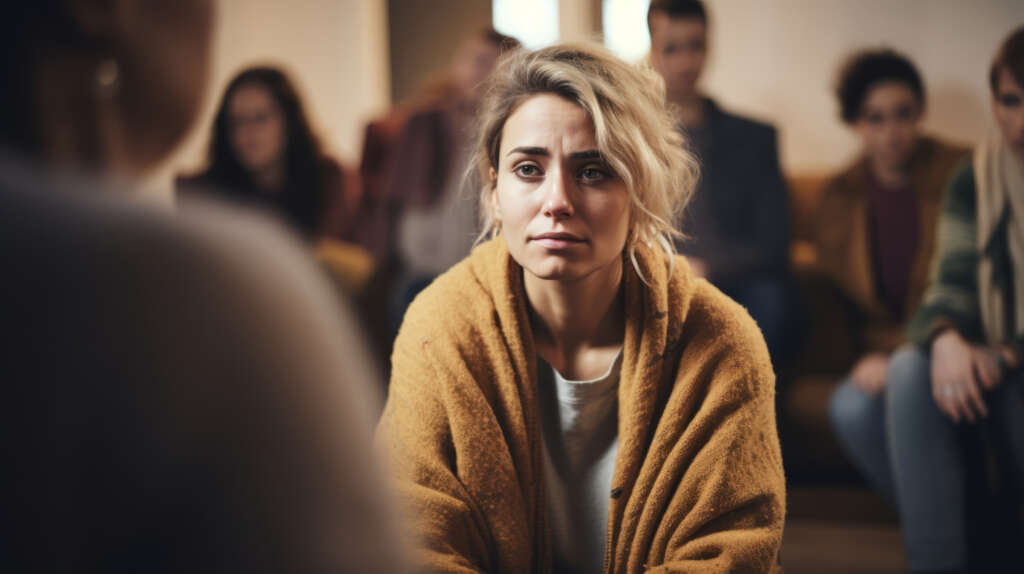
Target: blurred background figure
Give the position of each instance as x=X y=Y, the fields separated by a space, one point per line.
x=738 y=222
x=264 y=152
x=181 y=391
x=377 y=212
x=962 y=375
x=876 y=236
x=437 y=221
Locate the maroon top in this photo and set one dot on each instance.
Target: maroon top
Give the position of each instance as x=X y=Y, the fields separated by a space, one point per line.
x=894 y=237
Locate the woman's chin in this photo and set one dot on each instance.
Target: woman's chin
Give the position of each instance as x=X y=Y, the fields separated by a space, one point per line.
x=553 y=271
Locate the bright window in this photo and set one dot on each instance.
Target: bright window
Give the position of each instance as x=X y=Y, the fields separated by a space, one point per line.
x=625 y=28
x=532 y=22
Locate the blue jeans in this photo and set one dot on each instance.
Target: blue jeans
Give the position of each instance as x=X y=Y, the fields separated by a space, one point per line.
x=928 y=462
x=913 y=454
x=859 y=422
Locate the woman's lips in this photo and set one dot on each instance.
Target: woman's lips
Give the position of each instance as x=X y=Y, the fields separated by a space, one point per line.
x=558 y=241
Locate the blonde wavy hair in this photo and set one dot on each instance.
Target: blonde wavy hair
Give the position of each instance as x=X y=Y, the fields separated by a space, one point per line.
x=636 y=132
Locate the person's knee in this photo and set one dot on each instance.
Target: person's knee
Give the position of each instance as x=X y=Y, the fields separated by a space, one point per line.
x=909 y=380
x=852 y=411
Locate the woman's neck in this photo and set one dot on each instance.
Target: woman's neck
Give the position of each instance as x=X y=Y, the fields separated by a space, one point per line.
x=890 y=176
x=573 y=320
x=270 y=178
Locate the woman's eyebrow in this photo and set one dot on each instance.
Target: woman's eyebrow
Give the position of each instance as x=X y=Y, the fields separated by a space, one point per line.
x=529 y=150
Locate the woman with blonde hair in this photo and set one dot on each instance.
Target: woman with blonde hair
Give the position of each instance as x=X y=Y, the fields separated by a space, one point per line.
x=571 y=397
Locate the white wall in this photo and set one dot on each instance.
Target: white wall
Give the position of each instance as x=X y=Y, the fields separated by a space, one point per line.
x=777 y=60
x=335 y=50
x=773 y=59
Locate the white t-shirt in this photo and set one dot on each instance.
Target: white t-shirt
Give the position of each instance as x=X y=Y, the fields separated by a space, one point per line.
x=580 y=420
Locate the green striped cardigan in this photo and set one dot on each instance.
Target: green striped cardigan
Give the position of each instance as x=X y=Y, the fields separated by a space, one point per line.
x=951 y=298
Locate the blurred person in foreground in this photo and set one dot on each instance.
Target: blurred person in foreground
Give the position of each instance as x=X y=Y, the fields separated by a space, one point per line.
x=737 y=225
x=875 y=232
x=968 y=339
x=437 y=220
x=181 y=393
x=572 y=396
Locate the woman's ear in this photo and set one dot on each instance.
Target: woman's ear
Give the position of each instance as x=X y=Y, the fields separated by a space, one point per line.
x=495 y=207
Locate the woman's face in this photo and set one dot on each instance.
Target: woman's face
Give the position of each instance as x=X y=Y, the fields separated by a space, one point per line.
x=888 y=123
x=1008 y=108
x=679 y=50
x=473 y=65
x=257 y=128
x=564 y=213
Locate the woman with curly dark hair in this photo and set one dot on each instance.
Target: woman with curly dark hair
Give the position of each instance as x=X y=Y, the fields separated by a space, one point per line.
x=876 y=236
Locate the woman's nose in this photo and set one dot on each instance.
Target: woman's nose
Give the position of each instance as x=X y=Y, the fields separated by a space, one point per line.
x=557 y=203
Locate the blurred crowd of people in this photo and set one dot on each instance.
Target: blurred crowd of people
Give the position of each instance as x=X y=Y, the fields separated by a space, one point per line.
x=211 y=401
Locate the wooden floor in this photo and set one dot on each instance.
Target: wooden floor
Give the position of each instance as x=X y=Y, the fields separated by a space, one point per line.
x=840 y=530
x=813 y=547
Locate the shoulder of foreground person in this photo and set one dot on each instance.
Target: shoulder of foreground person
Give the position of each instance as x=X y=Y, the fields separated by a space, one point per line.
x=206 y=344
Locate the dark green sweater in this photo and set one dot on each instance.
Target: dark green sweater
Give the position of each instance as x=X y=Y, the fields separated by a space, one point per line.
x=951 y=298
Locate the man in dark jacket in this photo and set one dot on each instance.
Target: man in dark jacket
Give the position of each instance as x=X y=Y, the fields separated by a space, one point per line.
x=737 y=224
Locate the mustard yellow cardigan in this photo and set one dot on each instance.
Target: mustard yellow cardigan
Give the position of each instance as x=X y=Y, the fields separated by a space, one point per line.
x=698 y=481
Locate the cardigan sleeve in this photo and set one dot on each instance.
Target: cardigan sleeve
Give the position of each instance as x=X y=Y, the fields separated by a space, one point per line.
x=951 y=298
x=448 y=529
x=733 y=492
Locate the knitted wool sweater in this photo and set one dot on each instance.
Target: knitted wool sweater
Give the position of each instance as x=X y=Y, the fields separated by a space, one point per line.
x=698 y=481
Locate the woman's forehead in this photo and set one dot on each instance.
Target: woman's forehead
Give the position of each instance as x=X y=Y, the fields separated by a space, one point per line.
x=549 y=122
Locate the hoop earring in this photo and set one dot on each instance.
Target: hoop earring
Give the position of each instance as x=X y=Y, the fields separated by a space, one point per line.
x=107 y=78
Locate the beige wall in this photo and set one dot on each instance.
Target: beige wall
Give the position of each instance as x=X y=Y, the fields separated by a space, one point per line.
x=335 y=50
x=424 y=35
x=579 y=20
x=774 y=59
x=777 y=60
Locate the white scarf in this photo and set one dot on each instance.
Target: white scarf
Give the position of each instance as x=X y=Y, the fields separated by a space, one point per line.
x=999 y=177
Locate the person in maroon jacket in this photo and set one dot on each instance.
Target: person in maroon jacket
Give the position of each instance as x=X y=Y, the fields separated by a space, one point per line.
x=436 y=221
